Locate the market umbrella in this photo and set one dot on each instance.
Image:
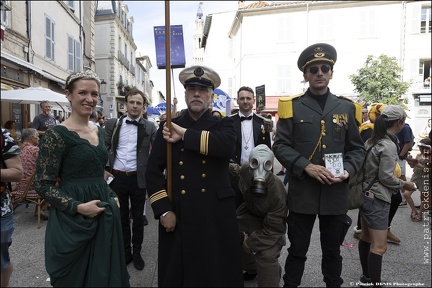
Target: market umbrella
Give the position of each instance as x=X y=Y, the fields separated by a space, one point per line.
x=33 y=95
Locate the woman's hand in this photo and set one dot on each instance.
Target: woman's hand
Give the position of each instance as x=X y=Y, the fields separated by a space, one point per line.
x=90 y=209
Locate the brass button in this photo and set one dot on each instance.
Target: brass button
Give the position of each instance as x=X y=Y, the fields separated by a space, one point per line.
x=203 y=190
x=182 y=177
x=182 y=149
x=301 y=121
x=324 y=146
x=183 y=192
x=203 y=175
x=181 y=163
x=203 y=162
x=322 y=121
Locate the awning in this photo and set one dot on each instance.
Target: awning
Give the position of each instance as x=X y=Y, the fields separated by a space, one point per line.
x=6 y=87
x=31 y=66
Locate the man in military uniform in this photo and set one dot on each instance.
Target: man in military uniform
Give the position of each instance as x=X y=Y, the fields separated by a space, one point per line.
x=251 y=129
x=198 y=231
x=312 y=126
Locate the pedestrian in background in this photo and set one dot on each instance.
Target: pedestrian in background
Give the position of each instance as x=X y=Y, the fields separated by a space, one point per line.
x=11 y=127
x=199 y=243
x=379 y=175
x=421 y=176
x=129 y=140
x=405 y=138
x=311 y=126
x=366 y=130
x=44 y=120
x=11 y=170
x=29 y=154
x=250 y=129
x=83 y=238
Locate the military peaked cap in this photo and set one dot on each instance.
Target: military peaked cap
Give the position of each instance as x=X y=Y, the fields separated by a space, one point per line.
x=317 y=52
x=199 y=75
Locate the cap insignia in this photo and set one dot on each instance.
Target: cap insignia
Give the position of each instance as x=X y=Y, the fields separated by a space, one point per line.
x=198 y=72
x=318 y=49
x=319 y=55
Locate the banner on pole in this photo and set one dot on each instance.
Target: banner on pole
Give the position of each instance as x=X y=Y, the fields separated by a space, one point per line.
x=260 y=97
x=177 y=47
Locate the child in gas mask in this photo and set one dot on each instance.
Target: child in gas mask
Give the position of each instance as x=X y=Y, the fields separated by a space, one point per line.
x=261 y=218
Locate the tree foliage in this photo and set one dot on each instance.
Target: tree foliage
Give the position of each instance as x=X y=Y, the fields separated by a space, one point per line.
x=378 y=81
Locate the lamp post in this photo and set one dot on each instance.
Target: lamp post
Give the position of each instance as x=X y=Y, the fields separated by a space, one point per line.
x=102 y=92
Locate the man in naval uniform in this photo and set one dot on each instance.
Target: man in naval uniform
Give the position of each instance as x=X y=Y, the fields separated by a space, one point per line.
x=198 y=231
x=312 y=127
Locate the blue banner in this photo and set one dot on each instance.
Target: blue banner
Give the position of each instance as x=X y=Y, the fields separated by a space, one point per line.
x=178 y=59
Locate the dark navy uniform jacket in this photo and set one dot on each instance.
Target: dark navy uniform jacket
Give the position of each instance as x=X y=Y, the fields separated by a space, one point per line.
x=204 y=249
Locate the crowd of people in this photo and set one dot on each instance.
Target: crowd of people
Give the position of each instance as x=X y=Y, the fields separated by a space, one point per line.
x=219 y=191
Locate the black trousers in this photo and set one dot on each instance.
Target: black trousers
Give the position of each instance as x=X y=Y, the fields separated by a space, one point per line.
x=333 y=229
x=126 y=187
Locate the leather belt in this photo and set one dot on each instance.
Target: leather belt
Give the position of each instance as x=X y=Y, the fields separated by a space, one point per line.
x=129 y=173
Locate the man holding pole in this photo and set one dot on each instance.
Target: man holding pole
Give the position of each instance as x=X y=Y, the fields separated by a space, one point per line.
x=199 y=244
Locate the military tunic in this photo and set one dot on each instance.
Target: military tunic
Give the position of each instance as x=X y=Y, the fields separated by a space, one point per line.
x=204 y=249
x=305 y=135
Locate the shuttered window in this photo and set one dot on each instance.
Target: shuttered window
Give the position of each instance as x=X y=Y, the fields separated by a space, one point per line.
x=49 y=38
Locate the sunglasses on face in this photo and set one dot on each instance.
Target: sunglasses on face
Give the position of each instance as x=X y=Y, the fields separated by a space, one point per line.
x=323 y=68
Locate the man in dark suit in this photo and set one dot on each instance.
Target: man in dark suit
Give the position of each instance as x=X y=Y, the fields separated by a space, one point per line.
x=313 y=126
x=128 y=140
x=252 y=130
x=199 y=245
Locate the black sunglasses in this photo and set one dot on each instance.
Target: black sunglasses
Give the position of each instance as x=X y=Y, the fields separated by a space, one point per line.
x=324 y=69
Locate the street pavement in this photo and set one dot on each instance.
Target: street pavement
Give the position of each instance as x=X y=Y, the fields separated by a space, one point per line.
x=404 y=265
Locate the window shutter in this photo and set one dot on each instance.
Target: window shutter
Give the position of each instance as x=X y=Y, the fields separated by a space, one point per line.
x=52 y=41
x=77 y=56
x=48 y=50
x=71 y=54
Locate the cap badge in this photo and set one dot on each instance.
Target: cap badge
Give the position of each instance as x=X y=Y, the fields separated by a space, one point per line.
x=319 y=55
x=198 y=72
x=318 y=49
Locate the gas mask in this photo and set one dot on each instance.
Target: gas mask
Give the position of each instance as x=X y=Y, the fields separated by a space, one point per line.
x=260 y=164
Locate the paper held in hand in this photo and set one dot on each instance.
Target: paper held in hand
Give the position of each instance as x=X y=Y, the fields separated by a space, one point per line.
x=334 y=163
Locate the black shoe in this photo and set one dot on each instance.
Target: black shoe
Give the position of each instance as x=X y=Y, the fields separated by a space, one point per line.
x=128 y=256
x=145 y=220
x=249 y=276
x=138 y=261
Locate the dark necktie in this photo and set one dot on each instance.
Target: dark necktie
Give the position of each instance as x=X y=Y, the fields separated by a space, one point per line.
x=246 y=118
x=134 y=122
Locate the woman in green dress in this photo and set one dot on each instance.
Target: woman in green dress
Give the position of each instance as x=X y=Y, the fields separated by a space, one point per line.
x=83 y=241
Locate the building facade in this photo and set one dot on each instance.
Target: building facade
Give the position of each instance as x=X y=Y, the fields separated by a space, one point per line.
x=259 y=44
x=42 y=43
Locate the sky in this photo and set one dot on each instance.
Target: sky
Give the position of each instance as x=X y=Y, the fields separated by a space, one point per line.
x=147 y=14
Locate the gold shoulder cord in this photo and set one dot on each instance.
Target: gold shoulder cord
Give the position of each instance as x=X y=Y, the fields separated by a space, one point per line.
x=322 y=133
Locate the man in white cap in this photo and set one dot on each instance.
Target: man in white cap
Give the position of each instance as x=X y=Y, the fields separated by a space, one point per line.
x=199 y=218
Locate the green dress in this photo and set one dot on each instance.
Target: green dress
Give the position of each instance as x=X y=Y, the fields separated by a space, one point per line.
x=79 y=251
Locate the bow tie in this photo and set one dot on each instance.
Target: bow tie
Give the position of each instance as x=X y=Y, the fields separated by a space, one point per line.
x=134 y=122
x=242 y=118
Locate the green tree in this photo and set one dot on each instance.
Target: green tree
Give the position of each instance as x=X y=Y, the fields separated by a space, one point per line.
x=378 y=81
